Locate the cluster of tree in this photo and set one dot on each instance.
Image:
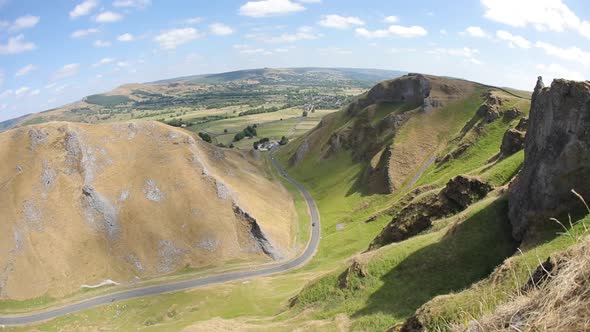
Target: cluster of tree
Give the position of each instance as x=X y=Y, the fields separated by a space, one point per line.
x=260 y=110
x=249 y=131
x=262 y=141
x=205 y=137
x=178 y=122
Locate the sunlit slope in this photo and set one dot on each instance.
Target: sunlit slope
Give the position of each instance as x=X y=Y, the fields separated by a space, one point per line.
x=80 y=204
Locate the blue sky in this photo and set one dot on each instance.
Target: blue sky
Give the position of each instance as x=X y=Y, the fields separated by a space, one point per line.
x=55 y=52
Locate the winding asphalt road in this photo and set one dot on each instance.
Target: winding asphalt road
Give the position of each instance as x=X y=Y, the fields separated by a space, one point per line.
x=188 y=284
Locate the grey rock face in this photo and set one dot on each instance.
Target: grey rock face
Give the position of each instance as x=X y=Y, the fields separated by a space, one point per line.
x=512 y=142
x=411 y=89
x=99 y=212
x=557 y=155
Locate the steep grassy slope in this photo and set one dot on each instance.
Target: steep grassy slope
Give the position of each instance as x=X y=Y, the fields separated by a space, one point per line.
x=455 y=252
x=84 y=203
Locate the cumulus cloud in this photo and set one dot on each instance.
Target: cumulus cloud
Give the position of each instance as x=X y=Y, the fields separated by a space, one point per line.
x=464 y=52
x=23 y=22
x=16 y=45
x=70 y=69
x=543 y=15
x=83 y=8
x=513 y=40
x=340 y=22
x=171 y=39
x=108 y=17
x=558 y=71
x=393 y=31
x=103 y=61
x=126 y=37
x=303 y=33
x=22 y=91
x=391 y=19
x=265 y=8
x=35 y=92
x=220 y=29
x=573 y=54
x=193 y=20
x=141 y=4
x=6 y=93
x=83 y=32
x=476 y=32
x=101 y=43
x=25 y=70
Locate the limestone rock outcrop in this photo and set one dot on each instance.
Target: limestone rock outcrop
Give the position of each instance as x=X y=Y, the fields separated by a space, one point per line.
x=557 y=155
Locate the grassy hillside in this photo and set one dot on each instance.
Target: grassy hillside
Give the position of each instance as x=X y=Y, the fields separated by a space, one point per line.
x=129 y=202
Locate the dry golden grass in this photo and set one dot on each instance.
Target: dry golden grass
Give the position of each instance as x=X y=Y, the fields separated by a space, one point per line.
x=166 y=204
x=561 y=304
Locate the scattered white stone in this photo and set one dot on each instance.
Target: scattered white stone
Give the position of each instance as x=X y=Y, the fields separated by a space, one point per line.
x=107 y=282
x=339 y=227
x=152 y=192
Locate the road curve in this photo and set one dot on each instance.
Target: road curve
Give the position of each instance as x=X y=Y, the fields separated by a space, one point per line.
x=312 y=246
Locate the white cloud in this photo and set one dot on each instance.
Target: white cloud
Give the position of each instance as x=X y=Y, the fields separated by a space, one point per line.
x=443 y=32
x=543 y=15
x=101 y=43
x=103 y=61
x=558 y=71
x=573 y=54
x=35 y=92
x=334 y=51
x=303 y=33
x=16 y=45
x=252 y=51
x=220 y=29
x=193 y=20
x=126 y=37
x=6 y=93
x=20 y=92
x=393 y=31
x=1 y=77
x=476 y=32
x=391 y=19
x=340 y=22
x=310 y=1
x=70 y=69
x=407 y=32
x=84 y=8
x=83 y=32
x=108 y=17
x=265 y=8
x=171 y=39
x=24 y=22
x=464 y=52
x=132 y=3
x=513 y=40
x=25 y=70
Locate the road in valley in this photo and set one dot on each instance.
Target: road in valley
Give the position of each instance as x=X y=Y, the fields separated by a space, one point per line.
x=23 y=319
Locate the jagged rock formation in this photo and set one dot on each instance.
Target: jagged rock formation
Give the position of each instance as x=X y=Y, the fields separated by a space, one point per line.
x=413 y=89
x=557 y=155
x=85 y=203
x=513 y=140
x=456 y=196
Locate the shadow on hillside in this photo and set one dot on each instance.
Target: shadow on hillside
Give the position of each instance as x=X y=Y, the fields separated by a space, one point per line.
x=467 y=253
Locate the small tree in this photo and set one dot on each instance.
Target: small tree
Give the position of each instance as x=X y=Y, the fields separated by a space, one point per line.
x=304 y=114
x=205 y=137
x=284 y=140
